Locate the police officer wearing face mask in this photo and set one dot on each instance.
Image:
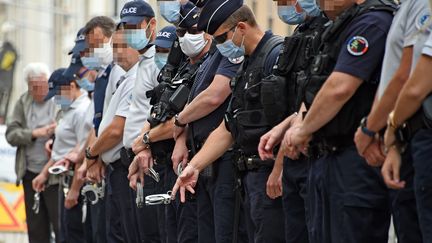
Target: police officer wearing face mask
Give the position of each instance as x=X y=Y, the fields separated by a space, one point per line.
x=71 y=134
x=234 y=28
x=348 y=200
x=93 y=46
x=156 y=135
x=164 y=41
x=293 y=66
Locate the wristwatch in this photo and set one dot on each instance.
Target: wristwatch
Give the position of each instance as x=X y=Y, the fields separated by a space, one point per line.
x=89 y=156
x=364 y=129
x=176 y=121
x=146 y=139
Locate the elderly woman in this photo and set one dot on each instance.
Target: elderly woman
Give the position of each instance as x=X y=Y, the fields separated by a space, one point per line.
x=31 y=125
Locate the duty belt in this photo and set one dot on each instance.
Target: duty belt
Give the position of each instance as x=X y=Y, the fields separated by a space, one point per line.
x=330 y=145
x=249 y=163
x=406 y=131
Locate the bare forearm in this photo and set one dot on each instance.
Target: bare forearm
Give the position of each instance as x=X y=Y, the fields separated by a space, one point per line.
x=77 y=184
x=162 y=132
x=219 y=141
x=46 y=167
x=107 y=140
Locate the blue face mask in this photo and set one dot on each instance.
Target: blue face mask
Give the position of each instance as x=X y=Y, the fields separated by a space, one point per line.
x=170 y=10
x=84 y=83
x=92 y=63
x=310 y=7
x=161 y=59
x=230 y=50
x=62 y=101
x=137 y=38
x=289 y=15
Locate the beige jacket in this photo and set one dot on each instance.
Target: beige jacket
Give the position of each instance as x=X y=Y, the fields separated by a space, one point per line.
x=19 y=135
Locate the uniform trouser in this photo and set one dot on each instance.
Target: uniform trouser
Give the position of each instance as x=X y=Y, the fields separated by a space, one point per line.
x=294 y=200
x=122 y=204
x=421 y=147
x=39 y=225
x=71 y=226
x=404 y=208
x=216 y=197
x=265 y=216
x=151 y=218
x=181 y=218
x=348 y=200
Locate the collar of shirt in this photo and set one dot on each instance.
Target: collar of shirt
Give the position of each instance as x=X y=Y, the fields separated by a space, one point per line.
x=132 y=71
x=76 y=103
x=102 y=70
x=148 y=54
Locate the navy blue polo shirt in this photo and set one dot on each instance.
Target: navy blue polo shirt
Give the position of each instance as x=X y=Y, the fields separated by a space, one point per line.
x=272 y=57
x=214 y=65
x=362 y=53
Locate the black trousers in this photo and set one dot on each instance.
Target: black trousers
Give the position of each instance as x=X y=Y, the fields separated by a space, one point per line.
x=39 y=225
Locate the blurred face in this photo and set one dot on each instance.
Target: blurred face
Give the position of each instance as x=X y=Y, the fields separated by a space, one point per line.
x=96 y=38
x=38 y=87
x=124 y=56
x=334 y=7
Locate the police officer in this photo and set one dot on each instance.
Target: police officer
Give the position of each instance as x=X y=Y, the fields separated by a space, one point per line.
x=411 y=113
x=95 y=38
x=157 y=133
x=234 y=28
x=107 y=146
x=344 y=192
x=293 y=66
x=204 y=112
x=71 y=134
x=137 y=18
x=163 y=43
x=395 y=71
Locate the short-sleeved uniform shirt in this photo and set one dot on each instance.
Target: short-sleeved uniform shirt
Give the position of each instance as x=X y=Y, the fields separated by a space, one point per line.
x=72 y=129
x=214 y=65
x=402 y=34
x=114 y=77
x=424 y=43
x=146 y=79
x=369 y=32
x=118 y=106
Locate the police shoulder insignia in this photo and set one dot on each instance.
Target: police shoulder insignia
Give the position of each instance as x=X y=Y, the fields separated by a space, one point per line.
x=357 y=46
x=422 y=19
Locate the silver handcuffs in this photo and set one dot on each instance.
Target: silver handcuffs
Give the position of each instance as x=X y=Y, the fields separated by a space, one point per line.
x=153 y=174
x=98 y=190
x=158 y=199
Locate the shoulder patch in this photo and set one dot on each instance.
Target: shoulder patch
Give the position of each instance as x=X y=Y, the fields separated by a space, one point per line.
x=357 y=46
x=422 y=19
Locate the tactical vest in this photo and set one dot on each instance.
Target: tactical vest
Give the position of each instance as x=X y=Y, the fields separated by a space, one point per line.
x=245 y=115
x=169 y=98
x=348 y=118
x=101 y=84
x=280 y=90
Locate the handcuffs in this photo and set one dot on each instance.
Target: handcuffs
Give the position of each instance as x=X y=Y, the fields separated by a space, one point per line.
x=93 y=192
x=158 y=199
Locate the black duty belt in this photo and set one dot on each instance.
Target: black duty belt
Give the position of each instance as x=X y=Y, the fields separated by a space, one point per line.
x=329 y=145
x=406 y=132
x=249 y=163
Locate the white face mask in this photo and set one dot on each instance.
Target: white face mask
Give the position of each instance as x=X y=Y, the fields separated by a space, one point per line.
x=104 y=54
x=192 y=45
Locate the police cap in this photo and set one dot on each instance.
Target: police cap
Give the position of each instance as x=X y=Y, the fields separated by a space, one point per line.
x=74 y=67
x=56 y=80
x=199 y=3
x=134 y=12
x=215 y=12
x=189 y=14
x=80 y=43
x=165 y=37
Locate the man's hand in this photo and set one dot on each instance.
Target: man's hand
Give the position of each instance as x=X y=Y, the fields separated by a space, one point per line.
x=186 y=181
x=72 y=157
x=178 y=131
x=144 y=160
x=64 y=162
x=389 y=137
x=45 y=131
x=71 y=199
x=138 y=145
x=96 y=172
x=362 y=141
x=39 y=181
x=135 y=174
x=299 y=138
x=180 y=155
x=81 y=173
x=268 y=141
x=391 y=169
x=373 y=154
x=48 y=147
x=274 y=184
x=290 y=151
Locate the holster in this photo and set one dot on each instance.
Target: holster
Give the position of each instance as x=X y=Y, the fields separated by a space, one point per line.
x=250 y=163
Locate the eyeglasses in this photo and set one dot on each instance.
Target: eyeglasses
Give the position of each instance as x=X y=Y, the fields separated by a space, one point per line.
x=81 y=75
x=182 y=31
x=222 y=37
